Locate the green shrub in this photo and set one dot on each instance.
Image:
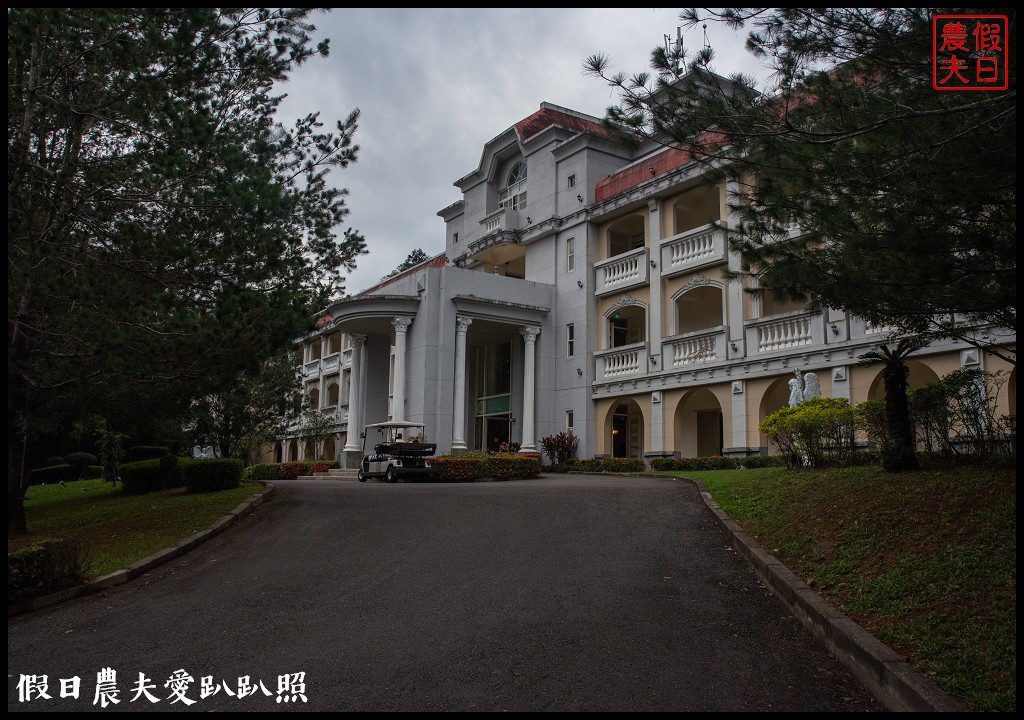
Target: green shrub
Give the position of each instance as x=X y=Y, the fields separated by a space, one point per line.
x=762 y=461
x=169 y=475
x=610 y=465
x=708 y=462
x=292 y=470
x=81 y=458
x=623 y=465
x=47 y=566
x=147 y=452
x=142 y=476
x=457 y=468
x=64 y=473
x=261 y=472
x=55 y=460
x=212 y=474
x=816 y=430
x=588 y=465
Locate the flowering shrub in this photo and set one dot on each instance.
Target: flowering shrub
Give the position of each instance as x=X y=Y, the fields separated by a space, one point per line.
x=456 y=468
x=47 y=566
x=287 y=471
x=468 y=467
x=503 y=467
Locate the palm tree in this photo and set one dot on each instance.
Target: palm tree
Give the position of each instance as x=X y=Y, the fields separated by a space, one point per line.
x=898 y=453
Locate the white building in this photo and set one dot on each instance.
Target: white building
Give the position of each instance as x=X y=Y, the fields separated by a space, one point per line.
x=581 y=288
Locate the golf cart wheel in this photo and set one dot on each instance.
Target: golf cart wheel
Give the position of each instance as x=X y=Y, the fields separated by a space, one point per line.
x=361 y=475
x=390 y=474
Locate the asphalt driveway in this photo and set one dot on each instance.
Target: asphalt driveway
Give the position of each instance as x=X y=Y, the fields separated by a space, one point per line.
x=563 y=594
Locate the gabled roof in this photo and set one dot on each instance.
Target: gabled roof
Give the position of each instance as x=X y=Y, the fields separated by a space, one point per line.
x=549 y=115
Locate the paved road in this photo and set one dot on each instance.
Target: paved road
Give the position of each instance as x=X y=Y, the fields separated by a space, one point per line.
x=564 y=594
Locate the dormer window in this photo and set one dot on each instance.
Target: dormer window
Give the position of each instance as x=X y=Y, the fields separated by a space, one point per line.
x=513 y=196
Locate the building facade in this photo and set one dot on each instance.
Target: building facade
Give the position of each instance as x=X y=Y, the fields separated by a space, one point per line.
x=582 y=288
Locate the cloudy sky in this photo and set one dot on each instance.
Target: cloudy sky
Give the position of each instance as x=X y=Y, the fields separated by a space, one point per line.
x=434 y=84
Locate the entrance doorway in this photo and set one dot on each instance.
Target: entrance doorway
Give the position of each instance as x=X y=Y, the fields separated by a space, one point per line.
x=627 y=431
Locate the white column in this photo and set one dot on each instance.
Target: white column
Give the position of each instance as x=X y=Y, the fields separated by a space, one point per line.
x=355 y=380
x=401 y=325
x=459 y=411
x=529 y=387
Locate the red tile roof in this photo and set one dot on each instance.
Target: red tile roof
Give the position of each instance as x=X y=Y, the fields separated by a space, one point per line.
x=547 y=116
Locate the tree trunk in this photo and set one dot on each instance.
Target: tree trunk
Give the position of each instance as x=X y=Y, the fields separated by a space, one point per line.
x=899 y=456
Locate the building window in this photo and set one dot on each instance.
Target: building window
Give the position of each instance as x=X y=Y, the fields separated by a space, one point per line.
x=455 y=237
x=570 y=181
x=513 y=197
x=570 y=254
x=570 y=340
x=569 y=428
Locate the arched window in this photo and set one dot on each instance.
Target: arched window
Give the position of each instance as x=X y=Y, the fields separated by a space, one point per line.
x=513 y=196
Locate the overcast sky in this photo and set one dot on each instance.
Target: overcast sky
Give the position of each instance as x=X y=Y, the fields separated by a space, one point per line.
x=434 y=84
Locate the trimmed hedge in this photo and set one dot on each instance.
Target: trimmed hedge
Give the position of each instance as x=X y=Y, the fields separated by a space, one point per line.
x=65 y=473
x=266 y=472
x=610 y=465
x=81 y=458
x=707 y=462
x=505 y=467
x=763 y=461
x=142 y=476
x=456 y=468
x=212 y=474
x=470 y=467
x=45 y=567
x=147 y=452
x=145 y=476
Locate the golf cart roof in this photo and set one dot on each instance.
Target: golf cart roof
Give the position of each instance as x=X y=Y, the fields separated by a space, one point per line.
x=395 y=425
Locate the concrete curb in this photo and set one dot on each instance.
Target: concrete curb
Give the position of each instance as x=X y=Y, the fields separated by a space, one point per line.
x=146 y=564
x=884 y=673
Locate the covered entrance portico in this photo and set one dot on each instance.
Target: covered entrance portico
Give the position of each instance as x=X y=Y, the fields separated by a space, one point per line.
x=495 y=375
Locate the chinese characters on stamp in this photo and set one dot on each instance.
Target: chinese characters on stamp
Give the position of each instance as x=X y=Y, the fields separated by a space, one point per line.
x=970 y=52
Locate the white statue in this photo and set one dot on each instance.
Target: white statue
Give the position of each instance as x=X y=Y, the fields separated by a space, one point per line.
x=796 y=393
x=197 y=452
x=812 y=386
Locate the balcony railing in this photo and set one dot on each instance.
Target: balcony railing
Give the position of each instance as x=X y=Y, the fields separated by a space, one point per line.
x=311 y=368
x=503 y=219
x=691 y=249
x=622 y=271
x=621 y=361
x=696 y=348
x=785 y=332
x=330 y=362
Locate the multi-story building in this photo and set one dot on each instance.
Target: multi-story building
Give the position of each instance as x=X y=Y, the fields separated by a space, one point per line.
x=581 y=288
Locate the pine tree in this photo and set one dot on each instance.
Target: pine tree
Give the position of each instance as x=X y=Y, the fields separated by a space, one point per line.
x=164 y=231
x=903 y=197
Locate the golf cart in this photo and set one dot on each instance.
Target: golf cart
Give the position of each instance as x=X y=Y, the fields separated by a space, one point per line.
x=398 y=451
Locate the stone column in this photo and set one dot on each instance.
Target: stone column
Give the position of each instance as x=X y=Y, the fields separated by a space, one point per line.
x=352 y=442
x=459 y=411
x=401 y=325
x=529 y=390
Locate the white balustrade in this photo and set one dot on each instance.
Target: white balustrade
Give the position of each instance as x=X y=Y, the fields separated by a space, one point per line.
x=695 y=350
x=784 y=333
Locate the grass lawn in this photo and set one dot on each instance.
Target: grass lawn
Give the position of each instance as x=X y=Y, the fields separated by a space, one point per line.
x=117 y=528
x=925 y=561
